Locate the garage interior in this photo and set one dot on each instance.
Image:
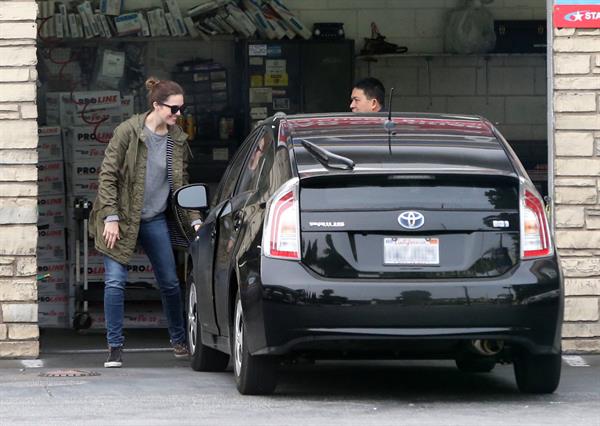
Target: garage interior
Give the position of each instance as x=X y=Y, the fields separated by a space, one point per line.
x=233 y=76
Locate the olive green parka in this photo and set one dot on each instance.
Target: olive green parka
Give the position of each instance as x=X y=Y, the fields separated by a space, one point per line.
x=121 y=187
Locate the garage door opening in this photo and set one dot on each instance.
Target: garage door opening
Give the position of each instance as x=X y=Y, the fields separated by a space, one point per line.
x=91 y=78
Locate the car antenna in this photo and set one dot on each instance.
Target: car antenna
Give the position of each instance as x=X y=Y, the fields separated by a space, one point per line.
x=389 y=124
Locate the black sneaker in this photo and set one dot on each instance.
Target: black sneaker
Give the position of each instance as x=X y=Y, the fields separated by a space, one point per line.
x=180 y=350
x=114 y=358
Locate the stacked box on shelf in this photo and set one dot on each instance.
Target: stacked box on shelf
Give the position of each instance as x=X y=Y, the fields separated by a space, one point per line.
x=137 y=315
x=139 y=267
x=53 y=291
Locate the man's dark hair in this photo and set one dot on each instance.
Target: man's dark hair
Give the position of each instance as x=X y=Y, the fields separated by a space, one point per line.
x=373 y=88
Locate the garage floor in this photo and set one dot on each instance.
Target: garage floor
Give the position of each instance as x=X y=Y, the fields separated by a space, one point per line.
x=56 y=341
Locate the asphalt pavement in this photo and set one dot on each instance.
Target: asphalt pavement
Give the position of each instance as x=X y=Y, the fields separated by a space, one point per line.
x=154 y=388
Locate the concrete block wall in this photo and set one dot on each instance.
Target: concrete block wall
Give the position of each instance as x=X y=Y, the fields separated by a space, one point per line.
x=18 y=180
x=577 y=173
x=508 y=90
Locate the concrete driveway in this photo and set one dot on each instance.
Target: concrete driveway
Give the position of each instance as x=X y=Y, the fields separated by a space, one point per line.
x=154 y=388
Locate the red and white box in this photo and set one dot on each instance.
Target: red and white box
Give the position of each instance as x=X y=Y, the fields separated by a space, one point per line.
x=56 y=271
x=51 y=178
x=53 y=314
x=50 y=143
x=51 y=210
x=51 y=245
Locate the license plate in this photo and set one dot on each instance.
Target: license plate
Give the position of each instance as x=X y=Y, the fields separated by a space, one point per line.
x=411 y=251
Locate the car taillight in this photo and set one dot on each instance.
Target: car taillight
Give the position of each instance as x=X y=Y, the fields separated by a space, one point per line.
x=281 y=234
x=535 y=232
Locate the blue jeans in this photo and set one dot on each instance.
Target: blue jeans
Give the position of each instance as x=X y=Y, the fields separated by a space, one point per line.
x=154 y=239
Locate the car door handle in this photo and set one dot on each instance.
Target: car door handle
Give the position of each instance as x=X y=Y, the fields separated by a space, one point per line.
x=237 y=221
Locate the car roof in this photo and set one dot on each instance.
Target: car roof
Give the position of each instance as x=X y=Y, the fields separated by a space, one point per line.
x=436 y=143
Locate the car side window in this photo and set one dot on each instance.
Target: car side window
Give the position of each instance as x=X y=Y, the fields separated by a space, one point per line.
x=233 y=171
x=280 y=172
x=261 y=153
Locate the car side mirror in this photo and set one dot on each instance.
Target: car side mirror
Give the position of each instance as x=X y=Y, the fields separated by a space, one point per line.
x=194 y=196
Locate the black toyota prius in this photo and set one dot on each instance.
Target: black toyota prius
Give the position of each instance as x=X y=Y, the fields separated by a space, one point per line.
x=343 y=236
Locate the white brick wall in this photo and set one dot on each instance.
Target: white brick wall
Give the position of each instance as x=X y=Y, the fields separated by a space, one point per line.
x=577 y=169
x=508 y=90
x=18 y=174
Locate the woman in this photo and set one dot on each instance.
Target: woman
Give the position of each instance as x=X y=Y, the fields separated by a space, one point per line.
x=144 y=163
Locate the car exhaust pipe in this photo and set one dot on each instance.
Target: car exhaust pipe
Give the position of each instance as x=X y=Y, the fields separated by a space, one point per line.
x=487 y=347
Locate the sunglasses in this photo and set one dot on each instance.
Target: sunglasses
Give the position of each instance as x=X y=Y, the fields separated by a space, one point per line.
x=174 y=108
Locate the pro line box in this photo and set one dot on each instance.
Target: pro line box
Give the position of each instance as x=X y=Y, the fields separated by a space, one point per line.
x=56 y=271
x=49 y=290
x=135 y=317
x=53 y=314
x=127 y=106
x=51 y=177
x=50 y=143
x=61 y=107
x=77 y=172
x=51 y=245
x=95 y=271
x=108 y=117
x=91 y=100
x=76 y=136
x=88 y=153
x=51 y=210
x=54 y=107
x=83 y=187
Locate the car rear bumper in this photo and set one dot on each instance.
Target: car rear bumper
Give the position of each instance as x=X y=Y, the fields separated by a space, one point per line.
x=293 y=310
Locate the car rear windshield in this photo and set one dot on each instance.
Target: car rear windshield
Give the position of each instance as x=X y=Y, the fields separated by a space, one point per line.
x=408 y=191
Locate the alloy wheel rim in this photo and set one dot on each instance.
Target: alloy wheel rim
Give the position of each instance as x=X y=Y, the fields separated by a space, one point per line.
x=238 y=338
x=192 y=318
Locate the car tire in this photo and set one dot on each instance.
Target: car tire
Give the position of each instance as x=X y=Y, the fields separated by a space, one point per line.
x=254 y=375
x=202 y=357
x=475 y=365
x=537 y=373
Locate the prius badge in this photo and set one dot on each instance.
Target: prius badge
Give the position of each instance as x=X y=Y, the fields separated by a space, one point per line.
x=411 y=219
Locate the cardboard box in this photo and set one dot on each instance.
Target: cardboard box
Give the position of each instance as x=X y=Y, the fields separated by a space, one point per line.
x=90 y=100
x=51 y=245
x=85 y=135
x=109 y=117
x=50 y=177
x=77 y=172
x=92 y=153
x=54 y=107
x=53 y=314
x=50 y=143
x=127 y=106
x=51 y=210
x=50 y=291
x=135 y=317
x=56 y=270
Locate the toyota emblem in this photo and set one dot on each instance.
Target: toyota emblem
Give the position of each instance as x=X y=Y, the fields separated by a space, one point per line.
x=411 y=220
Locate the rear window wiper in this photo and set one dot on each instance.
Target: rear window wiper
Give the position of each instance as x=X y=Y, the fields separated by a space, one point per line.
x=327 y=158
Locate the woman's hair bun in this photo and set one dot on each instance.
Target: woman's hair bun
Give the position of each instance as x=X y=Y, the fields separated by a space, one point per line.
x=151 y=83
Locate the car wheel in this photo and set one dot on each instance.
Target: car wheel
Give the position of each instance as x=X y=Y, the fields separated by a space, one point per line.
x=254 y=375
x=202 y=357
x=537 y=373
x=475 y=365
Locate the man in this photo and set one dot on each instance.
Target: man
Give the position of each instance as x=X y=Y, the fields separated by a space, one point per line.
x=368 y=95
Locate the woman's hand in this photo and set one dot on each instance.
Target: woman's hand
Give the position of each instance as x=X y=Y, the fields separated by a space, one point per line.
x=111 y=233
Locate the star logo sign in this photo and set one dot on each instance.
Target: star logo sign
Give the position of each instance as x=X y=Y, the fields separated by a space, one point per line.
x=577 y=16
